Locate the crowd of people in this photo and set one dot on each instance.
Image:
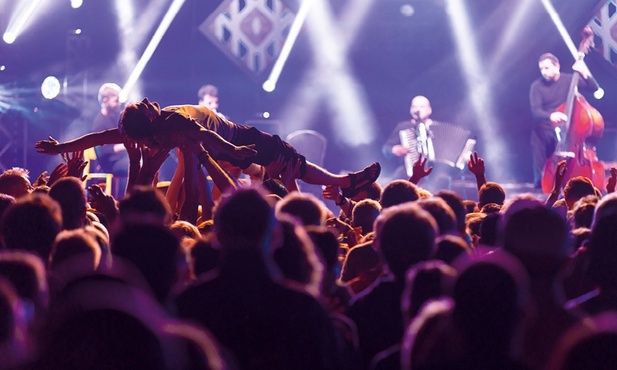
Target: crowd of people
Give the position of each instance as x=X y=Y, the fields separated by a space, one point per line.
x=231 y=266
x=262 y=276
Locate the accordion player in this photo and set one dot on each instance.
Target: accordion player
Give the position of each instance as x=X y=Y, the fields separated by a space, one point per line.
x=439 y=142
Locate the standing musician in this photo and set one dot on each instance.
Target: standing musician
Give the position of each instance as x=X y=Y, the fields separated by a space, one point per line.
x=546 y=95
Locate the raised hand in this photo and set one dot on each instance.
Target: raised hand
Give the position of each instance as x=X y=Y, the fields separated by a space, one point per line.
x=75 y=164
x=612 y=180
x=419 y=170
x=41 y=180
x=153 y=159
x=476 y=164
x=560 y=174
x=337 y=224
x=59 y=172
x=106 y=204
x=50 y=146
x=332 y=192
x=133 y=149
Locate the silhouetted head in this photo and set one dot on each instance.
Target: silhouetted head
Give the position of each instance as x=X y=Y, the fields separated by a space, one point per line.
x=405 y=234
x=398 y=192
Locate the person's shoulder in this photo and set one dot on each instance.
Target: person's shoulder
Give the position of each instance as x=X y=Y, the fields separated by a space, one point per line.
x=538 y=82
x=198 y=290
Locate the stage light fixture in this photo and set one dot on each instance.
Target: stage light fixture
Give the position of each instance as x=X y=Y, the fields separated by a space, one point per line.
x=268 y=85
x=407 y=10
x=19 y=19
x=76 y=4
x=294 y=30
x=50 y=88
x=9 y=37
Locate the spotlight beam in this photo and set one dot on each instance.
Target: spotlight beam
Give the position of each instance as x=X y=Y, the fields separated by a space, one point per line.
x=521 y=14
x=173 y=10
x=566 y=38
x=329 y=79
x=296 y=26
x=478 y=86
x=19 y=19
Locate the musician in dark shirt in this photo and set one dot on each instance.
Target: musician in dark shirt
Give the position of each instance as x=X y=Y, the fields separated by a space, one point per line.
x=546 y=94
x=420 y=111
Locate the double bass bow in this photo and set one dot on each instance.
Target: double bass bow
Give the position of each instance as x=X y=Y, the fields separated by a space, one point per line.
x=584 y=125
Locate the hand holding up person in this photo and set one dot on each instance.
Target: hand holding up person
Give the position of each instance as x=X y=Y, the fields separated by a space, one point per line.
x=75 y=164
x=152 y=160
x=106 y=204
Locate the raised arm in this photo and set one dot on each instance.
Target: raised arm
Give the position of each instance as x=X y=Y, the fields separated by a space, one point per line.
x=560 y=172
x=52 y=146
x=476 y=166
x=220 y=178
x=419 y=170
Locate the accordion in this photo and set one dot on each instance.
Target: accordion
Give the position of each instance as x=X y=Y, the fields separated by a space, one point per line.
x=440 y=142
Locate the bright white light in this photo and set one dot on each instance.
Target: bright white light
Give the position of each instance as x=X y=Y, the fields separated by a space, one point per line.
x=154 y=42
x=76 y=3
x=265 y=114
x=269 y=85
x=19 y=19
x=599 y=94
x=2 y=67
x=50 y=88
x=407 y=10
x=9 y=37
x=77 y=31
x=123 y=96
x=288 y=45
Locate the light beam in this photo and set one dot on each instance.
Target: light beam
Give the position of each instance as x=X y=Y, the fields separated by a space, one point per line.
x=174 y=8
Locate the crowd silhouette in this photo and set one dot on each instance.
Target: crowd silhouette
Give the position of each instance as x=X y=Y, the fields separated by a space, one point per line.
x=258 y=275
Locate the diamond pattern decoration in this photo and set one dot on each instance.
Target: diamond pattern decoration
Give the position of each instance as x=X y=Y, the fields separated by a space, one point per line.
x=250 y=32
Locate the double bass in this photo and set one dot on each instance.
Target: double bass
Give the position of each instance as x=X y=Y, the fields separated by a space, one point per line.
x=583 y=127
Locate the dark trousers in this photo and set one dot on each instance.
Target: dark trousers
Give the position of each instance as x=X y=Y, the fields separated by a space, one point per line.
x=543 y=142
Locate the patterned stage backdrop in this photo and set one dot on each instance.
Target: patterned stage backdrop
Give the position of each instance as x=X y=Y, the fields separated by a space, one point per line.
x=250 y=32
x=604 y=26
